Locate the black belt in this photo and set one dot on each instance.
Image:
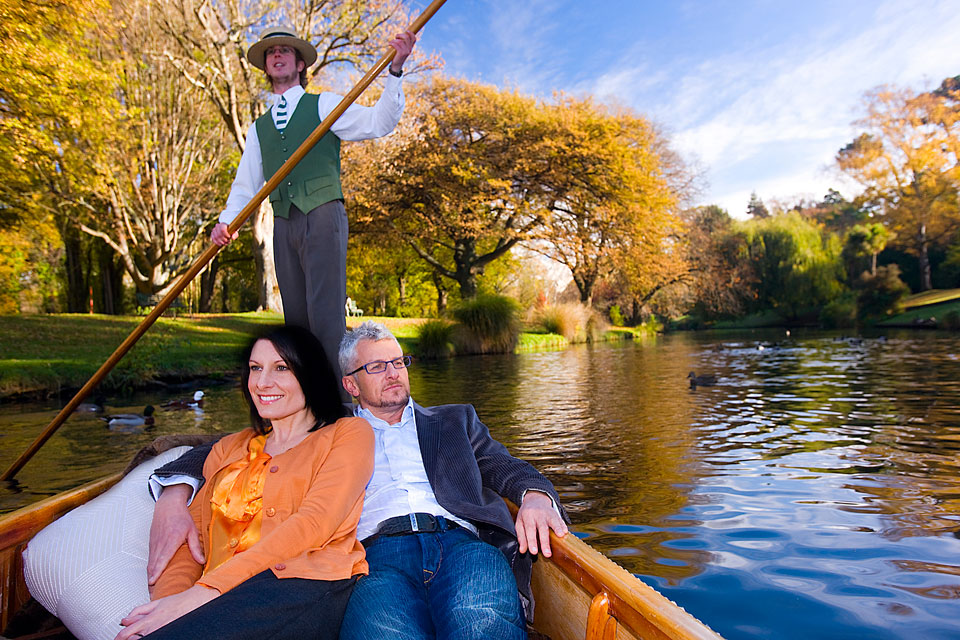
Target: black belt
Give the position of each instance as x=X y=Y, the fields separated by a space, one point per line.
x=410 y=523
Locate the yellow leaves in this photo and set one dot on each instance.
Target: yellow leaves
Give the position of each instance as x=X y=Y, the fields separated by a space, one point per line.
x=26 y=273
x=907 y=161
x=473 y=166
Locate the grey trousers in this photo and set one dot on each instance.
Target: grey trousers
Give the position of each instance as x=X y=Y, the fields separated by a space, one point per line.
x=310 y=251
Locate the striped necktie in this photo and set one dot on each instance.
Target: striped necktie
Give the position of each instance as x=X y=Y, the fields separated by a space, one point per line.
x=281 y=118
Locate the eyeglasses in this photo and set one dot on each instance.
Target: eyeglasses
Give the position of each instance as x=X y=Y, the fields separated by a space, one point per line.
x=279 y=48
x=379 y=366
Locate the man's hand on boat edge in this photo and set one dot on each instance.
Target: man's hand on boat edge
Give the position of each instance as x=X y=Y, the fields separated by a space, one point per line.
x=536 y=517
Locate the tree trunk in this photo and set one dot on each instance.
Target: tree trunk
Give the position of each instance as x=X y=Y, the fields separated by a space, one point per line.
x=225 y=296
x=442 y=295
x=585 y=287
x=268 y=295
x=401 y=292
x=926 y=281
x=464 y=259
x=73 y=265
x=873 y=264
x=208 y=278
x=111 y=279
x=468 y=285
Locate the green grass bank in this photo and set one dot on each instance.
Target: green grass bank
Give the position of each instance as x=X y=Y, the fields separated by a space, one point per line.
x=45 y=355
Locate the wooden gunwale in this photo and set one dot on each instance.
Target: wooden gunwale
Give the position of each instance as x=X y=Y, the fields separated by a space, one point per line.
x=643 y=609
x=586 y=573
x=633 y=603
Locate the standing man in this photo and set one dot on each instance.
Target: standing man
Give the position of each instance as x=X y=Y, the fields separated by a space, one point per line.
x=310 y=222
x=446 y=559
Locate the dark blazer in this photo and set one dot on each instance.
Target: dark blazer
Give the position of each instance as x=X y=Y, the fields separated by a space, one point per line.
x=469 y=472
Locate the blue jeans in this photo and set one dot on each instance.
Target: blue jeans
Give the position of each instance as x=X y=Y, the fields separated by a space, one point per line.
x=446 y=585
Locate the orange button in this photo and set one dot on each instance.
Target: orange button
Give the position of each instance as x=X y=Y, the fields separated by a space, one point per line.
x=234 y=542
x=280 y=567
x=271 y=512
x=274 y=469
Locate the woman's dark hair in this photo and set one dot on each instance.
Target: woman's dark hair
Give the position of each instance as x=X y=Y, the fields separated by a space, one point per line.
x=305 y=357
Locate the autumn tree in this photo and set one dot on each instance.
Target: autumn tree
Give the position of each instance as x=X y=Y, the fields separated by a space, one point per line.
x=908 y=161
x=608 y=194
x=56 y=102
x=207 y=43
x=386 y=277
x=722 y=279
x=459 y=180
x=159 y=169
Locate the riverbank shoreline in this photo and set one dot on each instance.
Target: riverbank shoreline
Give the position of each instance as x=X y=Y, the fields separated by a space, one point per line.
x=47 y=356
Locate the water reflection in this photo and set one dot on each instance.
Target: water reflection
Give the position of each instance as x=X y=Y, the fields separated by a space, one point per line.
x=813 y=492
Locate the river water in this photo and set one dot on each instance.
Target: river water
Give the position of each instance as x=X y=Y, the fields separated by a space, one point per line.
x=812 y=492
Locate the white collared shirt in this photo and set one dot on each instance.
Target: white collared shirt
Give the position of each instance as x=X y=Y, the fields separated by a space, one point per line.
x=356 y=123
x=399 y=484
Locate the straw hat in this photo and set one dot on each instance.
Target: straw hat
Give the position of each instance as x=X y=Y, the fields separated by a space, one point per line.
x=276 y=36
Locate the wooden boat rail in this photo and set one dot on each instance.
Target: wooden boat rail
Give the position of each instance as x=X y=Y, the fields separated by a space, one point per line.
x=611 y=603
x=579 y=593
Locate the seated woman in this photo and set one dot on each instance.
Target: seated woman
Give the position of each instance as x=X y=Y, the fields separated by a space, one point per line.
x=277 y=513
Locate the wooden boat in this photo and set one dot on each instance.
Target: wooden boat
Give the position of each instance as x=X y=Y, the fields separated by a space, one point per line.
x=580 y=594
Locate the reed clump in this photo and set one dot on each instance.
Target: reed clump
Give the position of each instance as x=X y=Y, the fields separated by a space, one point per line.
x=575 y=322
x=487 y=324
x=435 y=339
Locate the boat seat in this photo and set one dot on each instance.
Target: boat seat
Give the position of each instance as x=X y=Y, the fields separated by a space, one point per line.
x=89 y=568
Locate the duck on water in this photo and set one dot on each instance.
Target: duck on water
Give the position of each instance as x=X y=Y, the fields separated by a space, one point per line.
x=130 y=421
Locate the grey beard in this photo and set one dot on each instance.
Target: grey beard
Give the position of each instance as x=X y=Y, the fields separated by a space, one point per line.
x=400 y=403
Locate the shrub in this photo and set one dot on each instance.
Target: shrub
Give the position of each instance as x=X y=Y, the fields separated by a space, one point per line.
x=563 y=319
x=840 y=313
x=487 y=324
x=881 y=294
x=435 y=339
x=616 y=317
x=595 y=326
x=575 y=322
x=951 y=320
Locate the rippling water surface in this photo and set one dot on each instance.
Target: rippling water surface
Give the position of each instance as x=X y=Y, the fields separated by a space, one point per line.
x=813 y=492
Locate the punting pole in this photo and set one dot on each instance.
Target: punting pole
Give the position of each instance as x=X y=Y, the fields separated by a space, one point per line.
x=212 y=249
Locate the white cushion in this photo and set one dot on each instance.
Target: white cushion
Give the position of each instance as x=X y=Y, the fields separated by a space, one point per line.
x=89 y=568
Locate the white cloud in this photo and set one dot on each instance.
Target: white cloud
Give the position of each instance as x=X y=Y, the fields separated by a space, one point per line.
x=743 y=107
x=765 y=108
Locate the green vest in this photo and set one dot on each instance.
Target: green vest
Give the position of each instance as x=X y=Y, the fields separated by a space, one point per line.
x=316 y=178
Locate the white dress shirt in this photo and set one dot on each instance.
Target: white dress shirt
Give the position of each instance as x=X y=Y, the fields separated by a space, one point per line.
x=356 y=123
x=399 y=484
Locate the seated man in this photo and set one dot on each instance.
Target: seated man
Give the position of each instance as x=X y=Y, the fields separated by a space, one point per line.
x=432 y=519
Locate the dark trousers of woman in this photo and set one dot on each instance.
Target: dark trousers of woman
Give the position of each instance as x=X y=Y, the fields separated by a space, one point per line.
x=266 y=608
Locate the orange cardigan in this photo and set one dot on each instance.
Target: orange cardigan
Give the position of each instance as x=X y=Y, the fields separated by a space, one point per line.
x=312 y=498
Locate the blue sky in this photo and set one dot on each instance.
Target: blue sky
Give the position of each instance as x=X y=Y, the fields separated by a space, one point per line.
x=760 y=94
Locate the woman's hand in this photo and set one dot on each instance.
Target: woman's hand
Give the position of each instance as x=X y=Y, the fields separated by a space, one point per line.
x=149 y=617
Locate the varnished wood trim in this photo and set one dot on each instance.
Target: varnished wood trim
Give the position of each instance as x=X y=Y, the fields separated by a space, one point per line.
x=634 y=604
x=23 y=524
